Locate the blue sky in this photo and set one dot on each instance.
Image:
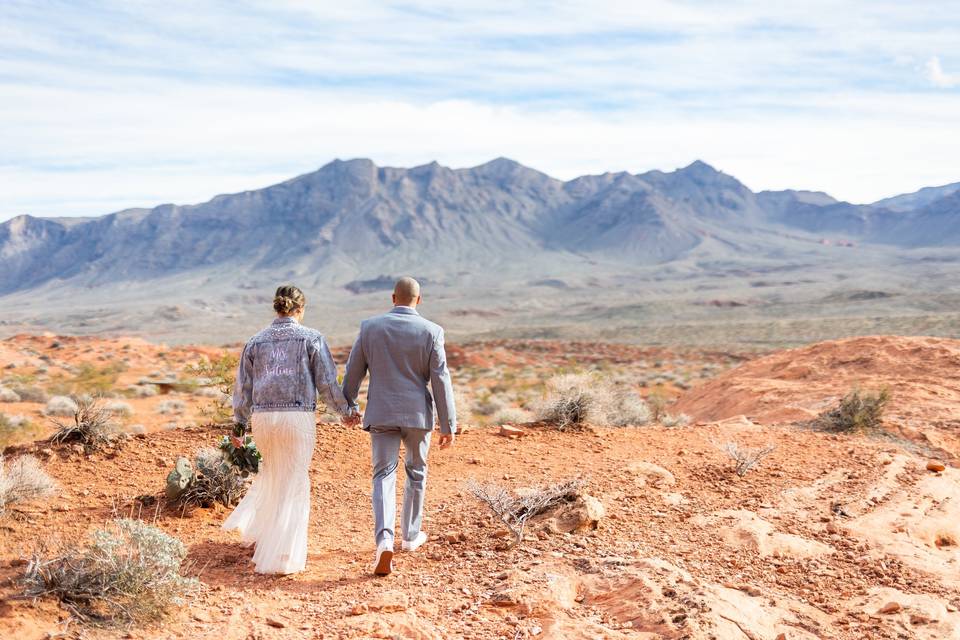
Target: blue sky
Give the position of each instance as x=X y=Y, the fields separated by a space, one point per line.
x=108 y=105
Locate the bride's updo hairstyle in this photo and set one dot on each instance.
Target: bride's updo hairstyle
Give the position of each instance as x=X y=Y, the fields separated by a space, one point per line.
x=288 y=300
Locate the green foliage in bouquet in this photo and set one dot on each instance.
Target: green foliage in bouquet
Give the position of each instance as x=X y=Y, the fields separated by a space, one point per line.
x=241 y=451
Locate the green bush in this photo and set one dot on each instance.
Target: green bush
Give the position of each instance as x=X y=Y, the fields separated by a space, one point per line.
x=221 y=373
x=90 y=379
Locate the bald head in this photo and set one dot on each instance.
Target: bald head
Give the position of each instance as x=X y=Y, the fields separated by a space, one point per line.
x=406 y=292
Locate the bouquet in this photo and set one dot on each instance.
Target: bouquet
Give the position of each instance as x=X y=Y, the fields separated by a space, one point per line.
x=241 y=451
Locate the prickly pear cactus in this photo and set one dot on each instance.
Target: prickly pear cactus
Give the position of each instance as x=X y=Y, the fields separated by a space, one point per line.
x=179 y=479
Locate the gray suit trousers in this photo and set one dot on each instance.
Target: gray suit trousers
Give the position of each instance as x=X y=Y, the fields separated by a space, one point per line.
x=386 y=451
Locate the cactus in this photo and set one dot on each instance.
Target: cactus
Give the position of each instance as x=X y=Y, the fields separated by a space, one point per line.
x=179 y=479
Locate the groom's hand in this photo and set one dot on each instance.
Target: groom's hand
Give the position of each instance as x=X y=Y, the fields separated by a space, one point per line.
x=446 y=440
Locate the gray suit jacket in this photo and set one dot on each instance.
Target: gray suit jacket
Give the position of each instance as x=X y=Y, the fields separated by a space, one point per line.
x=404 y=353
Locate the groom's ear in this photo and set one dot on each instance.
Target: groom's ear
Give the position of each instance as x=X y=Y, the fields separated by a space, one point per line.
x=394 y=298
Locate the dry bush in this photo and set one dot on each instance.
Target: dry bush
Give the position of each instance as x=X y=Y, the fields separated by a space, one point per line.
x=92 y=425
x=173 y=407
x=30 y=394
x=119 y=408
x=514 y=510
x=9 y=395
x=658 y=405
x=746 y=459
x=141 y=390
x=128 y=573
x=487 y=405
x=464 y=404
x=62 y=406
x=214 y=480
x=671 y=420
x=13 y=428
x=626 y=409
x=23 y=479
x=573 y=400
x=857 y=412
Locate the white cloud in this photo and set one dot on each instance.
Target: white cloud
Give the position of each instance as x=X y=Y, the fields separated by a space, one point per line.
x=937 y=76
x=136 y=104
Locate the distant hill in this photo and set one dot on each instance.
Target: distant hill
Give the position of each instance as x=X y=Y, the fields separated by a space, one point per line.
x=355 y=212
x=352 y=223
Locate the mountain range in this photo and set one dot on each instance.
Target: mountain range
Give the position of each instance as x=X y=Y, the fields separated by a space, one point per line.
x=351 y=225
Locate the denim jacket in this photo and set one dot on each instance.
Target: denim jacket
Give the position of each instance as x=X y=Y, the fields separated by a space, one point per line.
x=282 y=368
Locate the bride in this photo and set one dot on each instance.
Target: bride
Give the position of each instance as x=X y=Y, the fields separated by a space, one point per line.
x=280 y=372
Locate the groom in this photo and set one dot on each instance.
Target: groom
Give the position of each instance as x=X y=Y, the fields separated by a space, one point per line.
x=404 y=353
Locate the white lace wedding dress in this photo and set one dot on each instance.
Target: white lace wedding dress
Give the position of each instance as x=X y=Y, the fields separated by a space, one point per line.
x=275 y=513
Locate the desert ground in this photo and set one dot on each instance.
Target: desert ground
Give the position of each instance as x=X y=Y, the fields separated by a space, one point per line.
x=832 y=535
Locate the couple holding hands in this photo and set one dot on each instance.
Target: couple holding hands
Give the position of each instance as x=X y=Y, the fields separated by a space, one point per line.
x=281 y=371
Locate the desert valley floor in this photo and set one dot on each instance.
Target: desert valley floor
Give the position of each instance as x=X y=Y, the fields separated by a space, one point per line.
x=832 y=536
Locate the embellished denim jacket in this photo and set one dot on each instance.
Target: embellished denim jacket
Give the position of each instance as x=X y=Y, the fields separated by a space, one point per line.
x=282 y=368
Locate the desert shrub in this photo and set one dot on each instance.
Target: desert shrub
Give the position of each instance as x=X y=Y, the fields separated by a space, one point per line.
x=92 y=425
x=92 y=379
x=221 y=373
x=128 y=573
x=23 y=479
x=464 y=404
x=174 y=407
x=13 y=428
x=8 y=395
x=857 y=411
x=573 y=400
x=658 y=405
x=207 y=392
x=487 y=405
x=214 y=481
x=745 y=459
x=677 y=420
x=515 y=509
x=137 y=429
x=141 y=390
x=209 y=480
x=511 y=415
x=29 y=393
x=119 y=408
x=626 y=409
x=61 y=406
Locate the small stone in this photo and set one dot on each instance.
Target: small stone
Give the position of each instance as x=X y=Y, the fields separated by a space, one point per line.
x=890 y=607
x=276 y=624
x=509 y=431
x=781 y=636
x=359 y=609
x=935 y=466
x=535 y=631
x=202 y=616
x=390 y=602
